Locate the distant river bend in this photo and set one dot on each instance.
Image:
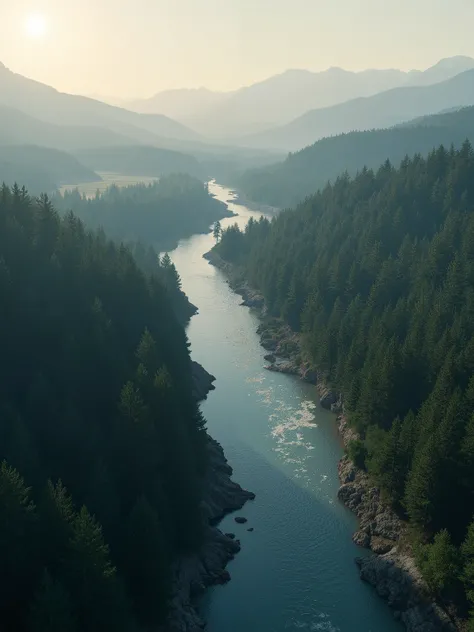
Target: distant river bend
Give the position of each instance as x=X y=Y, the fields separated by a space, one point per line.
x=296 y=569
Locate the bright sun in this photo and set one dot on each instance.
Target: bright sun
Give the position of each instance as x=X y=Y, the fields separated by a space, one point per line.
x=36 y=25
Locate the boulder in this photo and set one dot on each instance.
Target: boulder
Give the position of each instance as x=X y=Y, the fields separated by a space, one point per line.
x=230 y=535
x=361 y=538
x=328 y=399
x=240 y=520
x=250 y=529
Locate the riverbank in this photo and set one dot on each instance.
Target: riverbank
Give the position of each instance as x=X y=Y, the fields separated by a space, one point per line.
x=391 y=570
x=241 y=199
x=194 y=573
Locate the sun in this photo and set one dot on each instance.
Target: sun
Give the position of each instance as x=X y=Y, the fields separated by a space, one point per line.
x=36 y=25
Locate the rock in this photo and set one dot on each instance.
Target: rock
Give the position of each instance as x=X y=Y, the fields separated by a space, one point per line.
x=328 y=399
x=250 y=529
x=191 y=574
x=361 y=538
x=270 y=358
x=253 y=301
x=397 y=580
x=309 y=375
x=240 y=520
x=338 y=406
x=223 y=578
x=381 y=545
x=202 y=381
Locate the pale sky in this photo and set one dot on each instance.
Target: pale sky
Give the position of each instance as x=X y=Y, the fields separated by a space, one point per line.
x=134 y=48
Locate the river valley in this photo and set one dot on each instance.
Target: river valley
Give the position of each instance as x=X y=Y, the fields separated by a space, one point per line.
x=296 y=569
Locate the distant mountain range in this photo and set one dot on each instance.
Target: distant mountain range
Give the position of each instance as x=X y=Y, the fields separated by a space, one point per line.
x=99 y=136
x=381 y=110
x=282 y=98
x=50 y=106
x=303 y=173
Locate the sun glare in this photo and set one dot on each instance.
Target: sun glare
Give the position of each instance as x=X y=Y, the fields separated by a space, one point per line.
x=36 y=25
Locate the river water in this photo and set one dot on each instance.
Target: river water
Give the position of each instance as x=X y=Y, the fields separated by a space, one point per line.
x=296 y=569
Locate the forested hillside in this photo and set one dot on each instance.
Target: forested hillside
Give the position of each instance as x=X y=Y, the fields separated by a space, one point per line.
x=378 y=274
x=160 y=214
x=304 y=172
x=41 y=169
x=141 y=160
x=102 y=444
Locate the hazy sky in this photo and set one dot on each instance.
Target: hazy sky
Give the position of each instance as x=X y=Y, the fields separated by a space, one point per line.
x=138 y=47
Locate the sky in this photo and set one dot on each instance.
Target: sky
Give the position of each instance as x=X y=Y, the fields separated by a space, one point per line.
x=135 y=48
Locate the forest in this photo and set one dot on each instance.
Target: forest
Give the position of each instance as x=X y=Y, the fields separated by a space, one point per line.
x=102 y=445
x=377 y=273
x=304 y=172
x=162 y=213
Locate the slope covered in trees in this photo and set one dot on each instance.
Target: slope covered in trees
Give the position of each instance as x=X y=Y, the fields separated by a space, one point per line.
x=160 y=214
x=304 y=172
x=41 y=169
x=378 y=274
x=141 y=160
x=101 y=443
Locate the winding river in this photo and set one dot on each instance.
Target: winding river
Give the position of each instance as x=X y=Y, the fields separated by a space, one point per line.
x=296 y=569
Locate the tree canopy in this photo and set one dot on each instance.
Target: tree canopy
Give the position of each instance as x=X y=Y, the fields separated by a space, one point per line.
x=102 y=445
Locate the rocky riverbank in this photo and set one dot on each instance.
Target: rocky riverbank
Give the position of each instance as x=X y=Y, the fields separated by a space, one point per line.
x=391 y=569
x=192 y=574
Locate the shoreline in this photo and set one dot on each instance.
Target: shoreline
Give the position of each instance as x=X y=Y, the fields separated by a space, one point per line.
x=193 y=574
x=391 y=570
x=242 y=200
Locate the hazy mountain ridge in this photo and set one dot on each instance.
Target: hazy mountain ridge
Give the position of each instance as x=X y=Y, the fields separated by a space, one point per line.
x=286 y=96
x=381 y=110
x=47 y=104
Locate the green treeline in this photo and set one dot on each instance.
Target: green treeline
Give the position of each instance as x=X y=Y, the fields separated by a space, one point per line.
x=304 y=172
x=101 y=443
x=161 y=213
x=377 y=272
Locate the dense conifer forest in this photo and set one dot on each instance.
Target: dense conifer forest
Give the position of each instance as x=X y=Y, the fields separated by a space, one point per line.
x=101 y=442
x=304 y=172
x=377 y=272
x=162 y=213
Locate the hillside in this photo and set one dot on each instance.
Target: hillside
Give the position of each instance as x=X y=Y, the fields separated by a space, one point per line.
x=376 y=273
x=158 y=214
x=382 y=110
x=99 y=491
x=32 y=165
x=140 y=160
x=49 y=105
x=283 y=97
x=304 y=172
x=17 y=128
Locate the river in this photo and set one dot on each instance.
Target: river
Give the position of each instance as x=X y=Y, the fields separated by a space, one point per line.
x=296 y=569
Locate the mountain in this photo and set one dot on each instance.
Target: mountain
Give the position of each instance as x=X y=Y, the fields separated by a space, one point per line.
x=286 y=183
x=140 y=160
x=181 y=104
x=41 y=169
x=282 y=98
x=47 y=104
x=17 y=128
x=381 y=110
x=443 y=70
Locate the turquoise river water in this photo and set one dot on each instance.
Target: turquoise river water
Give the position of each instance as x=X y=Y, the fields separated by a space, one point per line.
x=296 y=570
